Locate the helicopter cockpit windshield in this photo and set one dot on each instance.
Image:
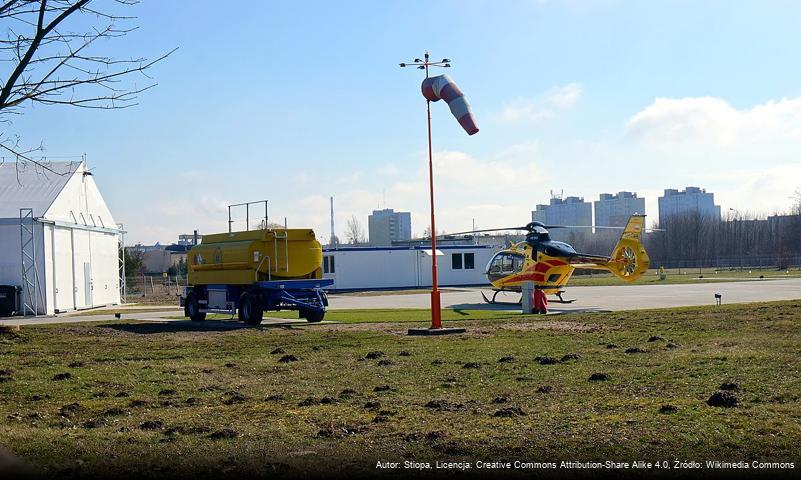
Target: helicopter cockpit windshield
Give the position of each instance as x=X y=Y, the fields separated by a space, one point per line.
x=505 y=263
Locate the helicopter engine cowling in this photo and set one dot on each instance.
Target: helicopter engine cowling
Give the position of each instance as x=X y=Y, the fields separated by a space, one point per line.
x=443 y=87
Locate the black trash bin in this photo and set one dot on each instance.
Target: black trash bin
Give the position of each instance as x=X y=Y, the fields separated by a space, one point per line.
x=9 y=295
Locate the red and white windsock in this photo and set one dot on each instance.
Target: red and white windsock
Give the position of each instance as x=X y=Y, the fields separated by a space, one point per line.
x=443 y=87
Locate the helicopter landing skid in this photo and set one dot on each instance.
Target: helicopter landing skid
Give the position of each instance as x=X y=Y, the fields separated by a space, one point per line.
x=562 y=300
x=495 y=302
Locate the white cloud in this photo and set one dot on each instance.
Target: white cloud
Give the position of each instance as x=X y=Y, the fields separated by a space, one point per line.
x=711 y=121
x=544 y=106
x=563 y=97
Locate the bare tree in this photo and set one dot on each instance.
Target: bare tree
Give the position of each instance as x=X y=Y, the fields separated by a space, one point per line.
x=45 y=61
x=354 y=234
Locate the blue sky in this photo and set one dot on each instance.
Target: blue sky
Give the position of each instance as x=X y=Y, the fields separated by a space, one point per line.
x=298 y=101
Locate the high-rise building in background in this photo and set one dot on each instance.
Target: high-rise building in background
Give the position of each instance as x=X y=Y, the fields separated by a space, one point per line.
x=615 y=210
x=385 y=226
x=689 y=202
x=567 y=211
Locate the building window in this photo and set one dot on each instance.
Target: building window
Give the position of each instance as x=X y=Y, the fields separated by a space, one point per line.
x=469 y=261
x=328 y=264
x=463 y=261
x=456 y=261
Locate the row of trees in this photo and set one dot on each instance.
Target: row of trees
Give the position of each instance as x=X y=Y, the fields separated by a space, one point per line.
x=693 y=240
x=741 y=240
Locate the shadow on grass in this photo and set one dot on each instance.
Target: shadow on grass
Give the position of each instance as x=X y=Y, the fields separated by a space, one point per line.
x=147 y=328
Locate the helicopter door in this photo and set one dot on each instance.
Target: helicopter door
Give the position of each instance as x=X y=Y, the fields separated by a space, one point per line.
x=505 y=263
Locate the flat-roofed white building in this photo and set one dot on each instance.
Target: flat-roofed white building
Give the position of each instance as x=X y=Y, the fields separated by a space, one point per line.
x=369 y=268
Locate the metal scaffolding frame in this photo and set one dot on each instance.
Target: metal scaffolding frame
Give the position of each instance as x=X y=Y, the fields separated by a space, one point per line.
x=121 y=256
x=31 y=288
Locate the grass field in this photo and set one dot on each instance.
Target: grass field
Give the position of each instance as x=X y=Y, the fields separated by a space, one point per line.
x=216 y=398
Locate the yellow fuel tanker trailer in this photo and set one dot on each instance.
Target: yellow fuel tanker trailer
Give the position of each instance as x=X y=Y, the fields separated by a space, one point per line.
x=256 y=270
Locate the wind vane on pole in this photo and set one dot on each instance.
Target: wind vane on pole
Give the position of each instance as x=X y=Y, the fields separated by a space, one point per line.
x=434 y=89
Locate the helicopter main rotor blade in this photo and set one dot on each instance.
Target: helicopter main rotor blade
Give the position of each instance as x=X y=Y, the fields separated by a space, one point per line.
x=600 y=227
x=482 y=231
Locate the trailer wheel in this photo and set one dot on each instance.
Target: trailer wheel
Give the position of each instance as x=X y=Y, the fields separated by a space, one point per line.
x=192 y=308
x=250 y=310
x=313 y=316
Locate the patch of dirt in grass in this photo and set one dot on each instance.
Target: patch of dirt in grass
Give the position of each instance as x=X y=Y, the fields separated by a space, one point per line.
x=278 y=351
x=122 y=395
x=444 y=406
x=232 y=397
x=116 y=412
x=611 y=346
x=404 y=353
x=672 y=345
x=374 y=355
x=70 y=409
x=384 y=363
x=348 y=393
x=546 y=360
x=509 y=412
x=94 y=423
x=471 y=365
x=667 y=408
x=151 y=425
x=372 y=405
x=62 y=376
x=76 y=364
x=506 y=359
x=729 y=385
x=570 y=356
x=656 y=338
x=167 y=392
x=724 y=399
x=599 y=377
x=544 y=389
x=138 y=403
x=635 y=350
x=274 y=398
x=288 y=358
x=383 y=388
x=224 y=434
x=501 y=399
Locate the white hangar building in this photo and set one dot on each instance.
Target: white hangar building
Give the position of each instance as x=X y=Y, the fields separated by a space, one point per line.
x=58 y=241
x=368 y=268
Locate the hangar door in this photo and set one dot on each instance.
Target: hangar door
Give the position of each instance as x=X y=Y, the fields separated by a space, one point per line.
x=62 y=267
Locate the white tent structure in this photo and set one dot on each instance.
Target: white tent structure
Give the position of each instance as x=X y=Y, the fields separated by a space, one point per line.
x=58 y=241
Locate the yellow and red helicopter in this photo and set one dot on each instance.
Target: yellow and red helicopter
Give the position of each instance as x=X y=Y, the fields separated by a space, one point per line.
x=549 y=264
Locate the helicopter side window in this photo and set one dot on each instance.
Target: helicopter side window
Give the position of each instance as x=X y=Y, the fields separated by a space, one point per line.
x=506 y=263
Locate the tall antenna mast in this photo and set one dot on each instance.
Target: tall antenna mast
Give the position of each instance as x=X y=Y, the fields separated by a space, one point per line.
x=332 y=240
